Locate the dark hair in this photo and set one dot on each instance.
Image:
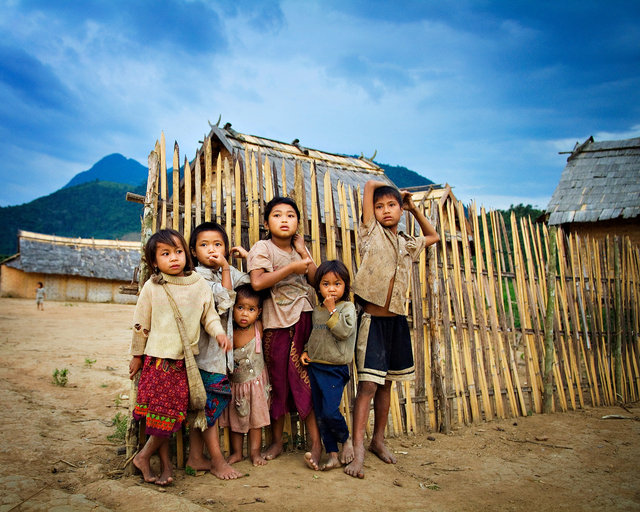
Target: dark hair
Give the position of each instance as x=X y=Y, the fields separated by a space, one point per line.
x=40 y=283
x=339 y=269
x=166 y=236
x=246 y=291
x=387 y=190
x=276 y=201
x=208 y=226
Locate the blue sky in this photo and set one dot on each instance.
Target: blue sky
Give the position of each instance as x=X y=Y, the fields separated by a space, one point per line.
x=478 y=94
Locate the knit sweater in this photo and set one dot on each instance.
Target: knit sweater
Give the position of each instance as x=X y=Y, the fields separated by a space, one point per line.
x=155 y=330
x=333 y=337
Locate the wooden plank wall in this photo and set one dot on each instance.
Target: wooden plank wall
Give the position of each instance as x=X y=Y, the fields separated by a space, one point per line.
x=477 y=300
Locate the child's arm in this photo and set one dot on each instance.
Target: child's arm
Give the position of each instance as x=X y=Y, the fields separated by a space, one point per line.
x=301 y=249
x=134 y=365
x=342 y=323
x=261 y=279
x=239 y=252
x=429 y=232
x=368 y=211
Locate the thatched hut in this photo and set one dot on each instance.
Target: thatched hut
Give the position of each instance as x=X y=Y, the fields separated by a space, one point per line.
x=599 y=190
x=72 y=269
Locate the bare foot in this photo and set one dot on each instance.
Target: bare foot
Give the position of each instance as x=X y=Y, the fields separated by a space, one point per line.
x=257 y=459
x=234 y=457
x=143 y=465
x=310 y=461
x=383 y=453
x=356 y=467
x=272 y=452
x=332 y=463
x=346 y=454
x=166 y=478
x=224 y=471
x=198 y=463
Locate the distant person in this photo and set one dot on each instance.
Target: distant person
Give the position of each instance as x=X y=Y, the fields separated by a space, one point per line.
x=328 y=354
x=40 y=295
x=383 y=347
x=171 y=307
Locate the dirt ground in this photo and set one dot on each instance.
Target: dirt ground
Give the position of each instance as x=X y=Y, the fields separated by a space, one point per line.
x=55 y=454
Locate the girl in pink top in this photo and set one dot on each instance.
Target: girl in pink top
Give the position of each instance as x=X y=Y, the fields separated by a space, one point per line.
x=282 y=264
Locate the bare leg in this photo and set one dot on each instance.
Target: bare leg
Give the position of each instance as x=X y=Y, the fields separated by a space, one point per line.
x=219 y=466
x=366 y=391
x=237 y=439
x=381 y=403
x=332 y=463
x=312 y=458
x=143 y=458
x=166 y=477
x=346 y=454
x=275 y=449
x=196 y=459
x=255 y=447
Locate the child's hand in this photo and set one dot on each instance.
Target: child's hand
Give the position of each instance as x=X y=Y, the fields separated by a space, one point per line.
x=239 y=252
x=134 y=366
x=299 y=246
x=329 y=303
x=407 y=201
x=224 y=342
x=218 y=260
x=305 y=359
x=302 y=266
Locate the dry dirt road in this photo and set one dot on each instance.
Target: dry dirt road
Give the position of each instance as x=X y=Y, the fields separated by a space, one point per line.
x=55 y=454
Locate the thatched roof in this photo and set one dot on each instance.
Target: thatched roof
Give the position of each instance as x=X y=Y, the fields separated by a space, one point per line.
x=600 y=182
x=351 y=171
x=101 y=259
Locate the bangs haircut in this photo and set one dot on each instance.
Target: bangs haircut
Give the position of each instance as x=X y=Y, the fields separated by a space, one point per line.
x=339 y=269
x=169 y=237
x=208 y=226
x=385 y=191
x=280 y=200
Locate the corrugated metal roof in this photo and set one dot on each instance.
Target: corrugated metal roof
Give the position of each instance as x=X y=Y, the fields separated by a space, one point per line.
x=100 y=259
x=601 y=181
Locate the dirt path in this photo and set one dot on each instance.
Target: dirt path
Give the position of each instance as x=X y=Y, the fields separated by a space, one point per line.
x=55 y=451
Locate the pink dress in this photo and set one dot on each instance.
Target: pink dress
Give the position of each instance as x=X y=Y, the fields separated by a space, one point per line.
x=249 y=407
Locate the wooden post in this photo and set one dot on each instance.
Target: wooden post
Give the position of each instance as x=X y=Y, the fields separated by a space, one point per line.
x=617 y=347
x=548 y=323
x=175 y=187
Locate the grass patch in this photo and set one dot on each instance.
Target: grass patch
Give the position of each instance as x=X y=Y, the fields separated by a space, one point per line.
x=119 y=421
x=60 y=377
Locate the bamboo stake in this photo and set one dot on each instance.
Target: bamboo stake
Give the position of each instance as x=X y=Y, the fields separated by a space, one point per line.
x=284 y=179
x=300 y=197
x=228 y=214
x=316 y=246
x=237 y=182
x=256 y=200
x=219 y=192
x=163 y=181
x=548 y=324
x=268 y=181
x=154 y=222
x=187 y=200
x=354 y=216
x=329 y=217
x=617 y=347
x=208 y=163
x=198 y=190
x=175 y=188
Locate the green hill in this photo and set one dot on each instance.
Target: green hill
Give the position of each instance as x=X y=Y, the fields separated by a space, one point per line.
x=115 y=168
x=97 y=209
x=403 y=177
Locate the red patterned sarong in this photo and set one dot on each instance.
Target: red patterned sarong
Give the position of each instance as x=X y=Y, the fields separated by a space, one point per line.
x=163 y=396
x=290 y=388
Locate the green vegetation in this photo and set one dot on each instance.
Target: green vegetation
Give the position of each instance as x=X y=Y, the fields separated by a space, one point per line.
x=98 y=209
x=60 y=377
x=119 y=421
x=89 y=362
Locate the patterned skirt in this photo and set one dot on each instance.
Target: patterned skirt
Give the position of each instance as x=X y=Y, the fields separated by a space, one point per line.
x=163 y=396
x=218 y=390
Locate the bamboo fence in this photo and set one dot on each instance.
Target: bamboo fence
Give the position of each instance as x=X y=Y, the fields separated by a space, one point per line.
x=477 y=302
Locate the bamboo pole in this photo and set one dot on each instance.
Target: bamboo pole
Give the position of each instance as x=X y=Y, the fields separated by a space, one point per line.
x=163 y=181
x=548 y=323
x=175 y=187
x=219 y=192
x=617 y=348
x=268 y=180
x=208 y=163
x=154 y=222
x=237 y=182
x=198 y=190
x=283 y=171
x=187 y=200
x=256 y=194
x=329 y=217
x=228 y=213
x=316 y=246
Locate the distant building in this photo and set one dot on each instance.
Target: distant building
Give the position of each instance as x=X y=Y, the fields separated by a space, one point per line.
x=599 y=190
x=72 y=269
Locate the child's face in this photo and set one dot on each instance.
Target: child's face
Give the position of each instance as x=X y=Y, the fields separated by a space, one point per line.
x=246 y=311
x=283 y=221
x=210 y=248
x=331 y=285
x=387 y=211
x=171 y=260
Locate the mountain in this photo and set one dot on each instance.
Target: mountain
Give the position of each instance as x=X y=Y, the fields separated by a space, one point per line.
x=97 y=209
x=115 y=168
x=403 y=177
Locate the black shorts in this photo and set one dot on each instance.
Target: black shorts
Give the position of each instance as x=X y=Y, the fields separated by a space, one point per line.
x=383 y=349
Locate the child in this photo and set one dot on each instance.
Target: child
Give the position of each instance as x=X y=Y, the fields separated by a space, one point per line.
x=282 y=264
x=383 y=348
x=163 y=349
x=249 y=410
x=328 y=354
x=40 y=294
x=209 y=245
